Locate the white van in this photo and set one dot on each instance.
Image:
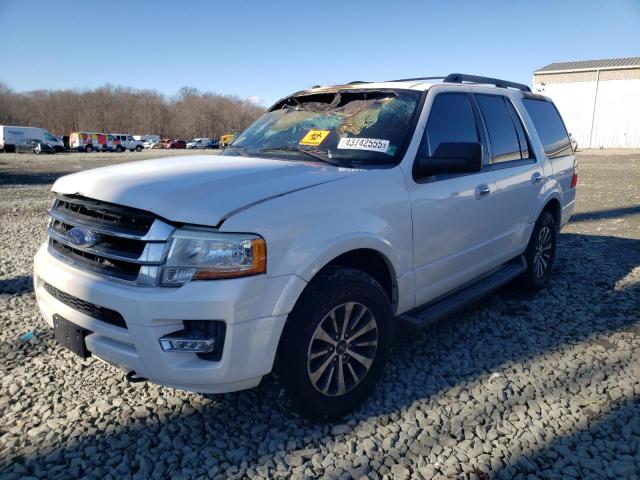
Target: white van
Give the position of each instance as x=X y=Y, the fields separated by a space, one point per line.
x=10 y=135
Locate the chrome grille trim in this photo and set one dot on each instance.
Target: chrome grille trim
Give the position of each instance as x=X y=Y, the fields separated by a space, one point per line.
x=133 y=242
x=153 y=253
x=159 y=231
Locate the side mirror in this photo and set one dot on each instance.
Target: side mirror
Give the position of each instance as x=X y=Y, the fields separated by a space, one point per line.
x=451 y=157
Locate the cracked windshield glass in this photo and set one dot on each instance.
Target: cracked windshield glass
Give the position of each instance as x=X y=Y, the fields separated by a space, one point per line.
x=353 y=127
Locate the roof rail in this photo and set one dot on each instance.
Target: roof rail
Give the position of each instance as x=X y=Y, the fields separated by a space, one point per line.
x=416 y=78
x=462 y=77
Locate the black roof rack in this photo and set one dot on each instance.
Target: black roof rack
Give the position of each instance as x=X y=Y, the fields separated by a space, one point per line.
x=462 y=77
x=416 y=78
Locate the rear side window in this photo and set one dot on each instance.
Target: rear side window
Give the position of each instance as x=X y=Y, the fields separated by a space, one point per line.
x=550 y=127
x=503 y=135
x=522 y=137
x=451 y=120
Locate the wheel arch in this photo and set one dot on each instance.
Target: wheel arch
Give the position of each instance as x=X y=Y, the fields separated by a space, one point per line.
x=369 y=260
x=553 y=206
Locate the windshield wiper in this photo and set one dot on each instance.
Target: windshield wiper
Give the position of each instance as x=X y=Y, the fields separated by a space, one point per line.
x=241 y=150
x=317 y=155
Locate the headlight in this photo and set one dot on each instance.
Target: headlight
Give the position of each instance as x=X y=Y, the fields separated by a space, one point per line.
x=201 y=255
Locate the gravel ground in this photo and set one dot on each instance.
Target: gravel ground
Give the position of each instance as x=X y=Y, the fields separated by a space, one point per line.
x=520 y=386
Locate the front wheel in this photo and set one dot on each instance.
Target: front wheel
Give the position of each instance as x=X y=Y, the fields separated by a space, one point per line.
x=88 y=149
x=335 y=345
x=138 y=148
x=540 y=252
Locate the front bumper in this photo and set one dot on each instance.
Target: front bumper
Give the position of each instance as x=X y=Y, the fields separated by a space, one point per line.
x=254 y=310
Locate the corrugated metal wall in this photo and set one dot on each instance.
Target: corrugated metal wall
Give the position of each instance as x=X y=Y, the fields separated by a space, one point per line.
x=600 y=111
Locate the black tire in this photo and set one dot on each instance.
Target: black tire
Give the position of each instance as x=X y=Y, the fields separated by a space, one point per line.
x=88 y=149
x=138 y=148
x=542 y=244
x=333 y=291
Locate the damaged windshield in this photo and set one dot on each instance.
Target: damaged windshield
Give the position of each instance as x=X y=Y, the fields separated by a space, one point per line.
x=345 y=127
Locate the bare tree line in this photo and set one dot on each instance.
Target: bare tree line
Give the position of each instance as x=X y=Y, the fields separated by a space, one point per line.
x=189 y=114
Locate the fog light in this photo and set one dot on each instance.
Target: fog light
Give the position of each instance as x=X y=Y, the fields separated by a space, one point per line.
x=194 y=345
x=202 y=337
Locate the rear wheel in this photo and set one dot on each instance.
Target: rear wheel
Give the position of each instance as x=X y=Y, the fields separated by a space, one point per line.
x=335 y=345
x=88 y=149
x=540 y=253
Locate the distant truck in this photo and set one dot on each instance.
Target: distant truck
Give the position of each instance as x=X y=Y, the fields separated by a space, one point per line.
x=103 y=142
x=11 y=135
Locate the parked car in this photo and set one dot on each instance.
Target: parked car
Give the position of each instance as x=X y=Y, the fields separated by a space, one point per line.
x=144 y=138
x=175 y=144
x=574 y=143
x=150 y=144
x=213 y=144
x=123 y=142
x=162 y=143
x=34 y=146
x=300 y=249
x=11 y=135
x=199 y=143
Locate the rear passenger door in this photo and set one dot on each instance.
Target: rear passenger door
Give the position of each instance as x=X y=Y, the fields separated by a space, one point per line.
x=452 y=215
x=518 y=175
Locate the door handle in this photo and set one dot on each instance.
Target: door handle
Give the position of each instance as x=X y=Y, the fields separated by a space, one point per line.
x=536 y=177
x=483 y=190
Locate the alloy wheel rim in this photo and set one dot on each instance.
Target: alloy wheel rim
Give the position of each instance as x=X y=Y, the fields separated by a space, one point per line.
x=542 y=257
x=342 y=349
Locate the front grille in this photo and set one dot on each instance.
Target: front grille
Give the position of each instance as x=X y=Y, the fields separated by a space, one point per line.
x=128 y=244
x=94 y=311
x=87 y=210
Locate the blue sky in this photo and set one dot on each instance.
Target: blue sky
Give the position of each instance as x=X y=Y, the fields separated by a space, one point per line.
x=272 y=48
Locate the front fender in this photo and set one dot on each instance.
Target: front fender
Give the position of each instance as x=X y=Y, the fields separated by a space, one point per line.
x=305 y=230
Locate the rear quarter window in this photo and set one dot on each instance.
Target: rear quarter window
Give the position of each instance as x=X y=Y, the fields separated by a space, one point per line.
x=549 y=126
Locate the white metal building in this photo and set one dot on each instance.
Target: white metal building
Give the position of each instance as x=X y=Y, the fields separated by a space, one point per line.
x=598 y=99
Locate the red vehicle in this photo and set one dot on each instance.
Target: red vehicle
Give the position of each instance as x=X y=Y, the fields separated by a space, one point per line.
x=173 y=143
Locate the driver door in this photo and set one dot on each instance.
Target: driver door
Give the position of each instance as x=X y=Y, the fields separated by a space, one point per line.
x=453 y=224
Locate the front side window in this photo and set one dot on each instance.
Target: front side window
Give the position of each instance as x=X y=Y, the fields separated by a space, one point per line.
x=550 y=127
x=451 y=119
x=344 y=127
x=505 y=145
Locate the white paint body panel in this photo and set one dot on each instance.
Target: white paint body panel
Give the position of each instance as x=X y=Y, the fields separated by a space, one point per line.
x=434 y=237
x=200 y=190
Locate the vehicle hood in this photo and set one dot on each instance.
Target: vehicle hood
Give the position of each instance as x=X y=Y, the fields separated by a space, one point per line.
x=198 y=189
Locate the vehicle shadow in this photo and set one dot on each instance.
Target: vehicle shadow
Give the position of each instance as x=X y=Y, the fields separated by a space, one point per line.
x=16 y=285
x=590 y=296
x=605 y=214
x=31 y=178
x=604 y=449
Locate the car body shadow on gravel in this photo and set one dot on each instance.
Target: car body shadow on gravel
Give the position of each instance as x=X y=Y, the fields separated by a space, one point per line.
x=475 y=394
x=16 y=285
x=31 y=178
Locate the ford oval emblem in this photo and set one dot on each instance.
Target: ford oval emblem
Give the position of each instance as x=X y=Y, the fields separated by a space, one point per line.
x=82 y=237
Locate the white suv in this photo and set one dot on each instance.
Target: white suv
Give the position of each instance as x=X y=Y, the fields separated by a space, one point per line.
x=337 y=214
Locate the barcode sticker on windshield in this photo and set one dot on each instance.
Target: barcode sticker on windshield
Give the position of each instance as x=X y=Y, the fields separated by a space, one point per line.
x=370 y=144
